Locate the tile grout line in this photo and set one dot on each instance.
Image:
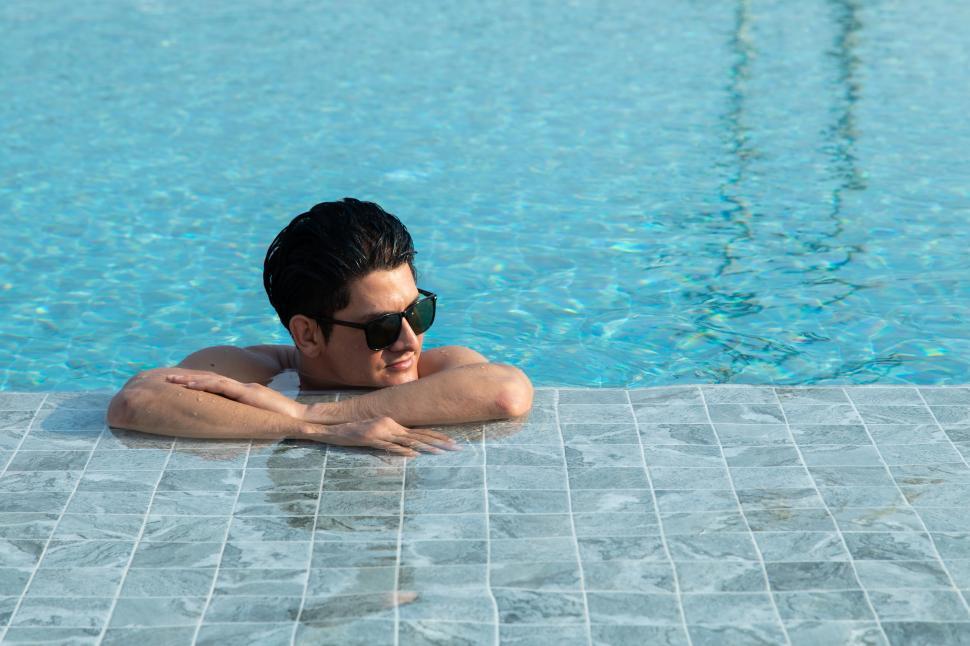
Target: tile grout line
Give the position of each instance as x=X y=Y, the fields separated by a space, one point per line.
x=838 y=528
x=744 y=517
x=222 y=550
x=945 y=434
x=313 y=540
x=134 y=547
x=395 y=594
x=488 y=539
x=27 y=431
x=660 y=528
x=915 y=511
x=572 y=524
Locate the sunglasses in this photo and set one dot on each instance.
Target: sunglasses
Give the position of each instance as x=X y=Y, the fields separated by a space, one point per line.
x=383 y=331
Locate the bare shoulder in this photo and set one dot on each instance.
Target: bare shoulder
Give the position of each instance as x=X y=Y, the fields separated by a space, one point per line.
x=449 y=356
x=256 y=363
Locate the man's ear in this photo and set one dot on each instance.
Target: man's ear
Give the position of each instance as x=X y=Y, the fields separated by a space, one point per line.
x=307 y=335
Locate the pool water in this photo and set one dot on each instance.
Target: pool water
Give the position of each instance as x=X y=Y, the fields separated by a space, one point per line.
x=605 y=194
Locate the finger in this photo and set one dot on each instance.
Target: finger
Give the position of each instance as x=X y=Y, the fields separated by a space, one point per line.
x=416 y=444
x=436 y=439
x=396 y=449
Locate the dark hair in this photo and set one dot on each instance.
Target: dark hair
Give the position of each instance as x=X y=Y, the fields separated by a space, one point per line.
x=309 y=266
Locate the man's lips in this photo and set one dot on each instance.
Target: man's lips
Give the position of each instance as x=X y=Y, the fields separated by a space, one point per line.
x=403 y=364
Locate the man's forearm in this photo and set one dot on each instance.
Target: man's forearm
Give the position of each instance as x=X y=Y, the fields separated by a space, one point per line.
x=153 y=406
x=469 y=393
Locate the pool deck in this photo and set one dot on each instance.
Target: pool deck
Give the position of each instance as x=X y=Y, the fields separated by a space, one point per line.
x=675 y=515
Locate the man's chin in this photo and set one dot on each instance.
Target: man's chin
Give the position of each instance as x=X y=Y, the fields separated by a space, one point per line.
x=388 y=378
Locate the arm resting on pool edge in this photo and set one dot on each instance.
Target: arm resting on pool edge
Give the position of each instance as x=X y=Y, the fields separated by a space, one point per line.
x=148 y=403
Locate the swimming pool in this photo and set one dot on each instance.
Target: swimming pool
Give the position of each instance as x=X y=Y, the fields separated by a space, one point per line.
x=618 y=194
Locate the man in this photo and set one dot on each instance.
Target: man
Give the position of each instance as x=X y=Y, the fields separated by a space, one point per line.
x=342 y=280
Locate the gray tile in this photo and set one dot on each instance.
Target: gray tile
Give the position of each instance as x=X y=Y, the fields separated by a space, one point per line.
x=283 y=480
x=287 y=456
x=861 y=496
x=353 y=554
x=470 y=605
x=602 y=455
x=895 y=414
x=445 y=478
x=615 y=524
x=134 y=612
x=931 y=474
x=207 y=458
x=812 y=395
x=13 y=581
x=114 y=439
x=684 y=455
x=76 y=582
x=193 y=503
x=894 y=546
x=702 y=522
x=93 y=400
x=603 y=635
x=946 y=495
x=828 y=434
x=739 y=395
x=538 y=607
x=670 y=414
x=902 y=574
x=789 y=520
x=59 y=612
x=712 y=547
x=519 y=433
x=187 y=529
x=118 y=481
x=952 y=545
x=445 y=526
x=801 y=546
x=66 y=419
x=21 y=401
x=127 y=460
x=71 y=554
x=752 y=434
x=592 y=396
x=33 y=502
x=602 y=478
x=876 y=396
x=695 y=499
x=44 y=635
x=557 y=575
x=435 y=633
x=39 y=481
x=48 y=461
x=11 y=439
x=538 y=455
x=951 y=415
x=264 y=634
x=523 y=477
x=598 y=434
x=664 y=434
x=371 y=478
x=262 y=609
x=259 y=581
x=729 y=576
x=351 y=503
x=919 y=605
x=850 y=476
x=810 y=633
x=595 y=414
x=778 y=498
x=329 y=528
x=905 y=433
x=945 y=519
x=646 y=548
x=666 y=395
x=443 y=552
x=828 y=605
x=689 y=478
x=265 y=554
x=919 y=453
x=201 y=480
x=926 y=632
x=819 y=575
x=820 y=413
x=517 y=526
x=56 y=440
x=178 y=555
x=761 y=456
x=629 y=576
x=946 y=396
x=169 y=582
x=823 y=455
x=770 y=477
x=345 y=632
x=746 y=413
x=612 y=500
x=877 y=519
x=631 y=608
x=442 y=578
x=352 y=580
x=466 y=501
x=728 y=608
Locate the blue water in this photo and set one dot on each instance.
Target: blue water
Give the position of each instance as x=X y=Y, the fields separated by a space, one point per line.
x=622 y=193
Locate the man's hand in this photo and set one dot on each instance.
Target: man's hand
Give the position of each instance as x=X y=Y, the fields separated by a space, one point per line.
x=255 y=395
x=383 y=433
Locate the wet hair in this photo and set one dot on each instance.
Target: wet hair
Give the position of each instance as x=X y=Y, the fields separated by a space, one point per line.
x=310 y=265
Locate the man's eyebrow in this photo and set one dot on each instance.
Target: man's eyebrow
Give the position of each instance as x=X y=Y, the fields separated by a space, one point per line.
x=369 y=316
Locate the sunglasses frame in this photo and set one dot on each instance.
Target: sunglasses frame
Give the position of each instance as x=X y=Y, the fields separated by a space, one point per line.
x=401 y=316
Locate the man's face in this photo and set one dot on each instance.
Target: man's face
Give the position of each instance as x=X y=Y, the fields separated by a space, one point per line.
x=353 y=363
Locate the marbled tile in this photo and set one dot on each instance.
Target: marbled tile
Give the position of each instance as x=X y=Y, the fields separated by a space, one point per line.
x=349 y=580
x=10 y=439
x=185 y=529
x=902 y=574
x=761 y=456
x=91 y=400
x=850 y=476
x=539 y=455
x=597 y=434
x=442 y=578
x=960 y=571
x=265 y=554
x=597 y=396
x=469 y=605
x=670 y=414
x=825 y=455
x=71 y=554
x=801 y=546
x=949 y=416
x=684 y=455
x=38 y=440
x=828 y=434
x=171 y=611
x=666 y=395
x=178 y=555
x=861 y=496
x=523 y=477
x=945 y=519
x=596 y=414
x=33 y=502
x=746 y=413
x=631 y=608
x=444 y=478
x=334 y=528
x=264 y=634
x=207 y=458
x=878 y=396
x=76 y=612
x=469 y=501
x=15 y=420
x=262 y=609
x=672 y=500
x=127 y=460
x=770 y=477
x=470 y=455
x=201 y=480
x=689 y=478
x=443 y=552
x=192 y=503
x=67 y=419
x=7 y=607
x=514 y=526
x=919 y=453
x=327 y=554
x=600 y=455
x=604 y=478
x=647 y=548
x=75 y=582
x=919 y=605
x=946 y=495
x=281 y=480
x=894 y=546
x=615 y=524
x=114 y=439
x=353 y=503
x=636 y=634
x=170 y=582
x=778 y=498
x=789 y=520
x=538 y=607
x=752 y=434
x=529 y=550
x=729 y=576
x=556 y=575
x=807 y=575
x=629 y=576
x=13 y=581
x=21 y=401
x=519 y=433
x=905 y=433
x=45 y=635
x=723 y=546
x=554 y=501
x=118 y=481
x=878 y=519
x=895 y=414
x=728 y=608
x=366 y=478
x=823 y=605
x=287 y=456
x=695 y=522
x=348 y=457
x=612 y=500
x=952 y=545
x=803 y=395
x=27 y=525
x=429 y=633
x=927 y=632
x=931 y=474
x=739 y=395
x=48 y=461
x=444 y=526
x=664 y=434
x=345 y=632
x=820 y=413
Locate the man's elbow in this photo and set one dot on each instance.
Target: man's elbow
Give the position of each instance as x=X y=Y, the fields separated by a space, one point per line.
x=514 y=398
x=119 y=410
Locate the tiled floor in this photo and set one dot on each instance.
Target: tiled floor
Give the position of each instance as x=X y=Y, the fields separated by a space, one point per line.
x=687 y=515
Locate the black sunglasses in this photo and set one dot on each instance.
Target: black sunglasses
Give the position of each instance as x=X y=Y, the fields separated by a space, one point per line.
x=383 y=331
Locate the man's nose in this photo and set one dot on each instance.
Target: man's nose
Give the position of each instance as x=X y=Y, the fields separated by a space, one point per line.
x=406 y=340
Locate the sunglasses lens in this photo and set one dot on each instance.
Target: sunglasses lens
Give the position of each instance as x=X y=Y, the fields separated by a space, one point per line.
x=383 y=332
x=421 y=315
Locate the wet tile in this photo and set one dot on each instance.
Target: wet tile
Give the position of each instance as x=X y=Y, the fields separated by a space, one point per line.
x=752 y=434
x=185 y=529
x=201 y=480
x=906 y=433
x=67 y=419
x=629 y=576
x=284 y=480
x=445 y=478
x=919 y=453
x=931 y=474
x=689 y=478
x=611 y=500
x=265 y=554
x=878 y=519
x=684 y=455
x=169 y=582
x=328 y=554
x=10 y=440
x=557 y=575
x=178 y=555
x=261 y=609
x=702 y=522
x=739 y=395
x=671 y=500
x=21 y=401
x=831 y=605
x=801 y=546
x=134 y=612
x=444 y=552
x=601 y=455
x=127 y=460
x=538 y=455
x=38 y=440
x=33 y=502
x=918 y=605
x=712 y=547
x=646 y=548
x=595 y=414
x=945 y=519
x=538 y=607
x=925 y=632
x=118 y=481
x=71 y=554
x=807 y=575
x=520 y=526
x=631 y=608
x=850 y=633
x=778 y=498
x=35 y=635
x=841 y=455
x=812 y=395
x=445 y=526
x=346 y=632
x=27 y=525
x=353 y=580
x=207 y=458
x=952 y=545
x=360 y=503
x=676 y=434
x=344 y=457
x=894 y=546
x=829 y=434
x=469 y=501
x=820 y=413
x=861 y=496
x=673 y=413
x=431 y=633
x=789 y=520
x=366 y=478
x=530 y=550
x=523 y=477
x=746 y=413
x=605 y=478
x=115 y=439
x=76 y=582
x=62 y=612
x=850 y=476
x=469 y=605
x=615 y=524
x=729 y=576
x=728 y=608
x=666 y=395
x=193 y=503
x=522 y=433
x=264 y=634
x=443 y=578
x=770 y=477
x=597 y=434
x=48 y=461
x=902 y=574
x=762 y=456
x=895 y=414
x=599 y=396
x=13 y=581
x=947 y=495
x=287 y=456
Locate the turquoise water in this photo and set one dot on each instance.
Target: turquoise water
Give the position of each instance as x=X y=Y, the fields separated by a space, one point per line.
x=624 y=194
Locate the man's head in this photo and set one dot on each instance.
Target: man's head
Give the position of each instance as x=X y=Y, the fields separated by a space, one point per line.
x=348 y=261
